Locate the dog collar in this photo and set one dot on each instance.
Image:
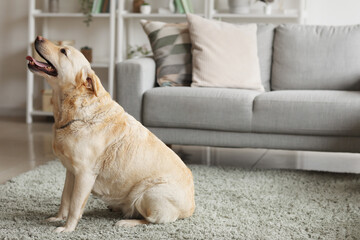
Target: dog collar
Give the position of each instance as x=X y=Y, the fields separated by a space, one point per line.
x=68 y=124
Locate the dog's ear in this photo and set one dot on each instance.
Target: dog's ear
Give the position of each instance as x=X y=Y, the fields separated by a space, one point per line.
x=92 y=84
x=90 y=80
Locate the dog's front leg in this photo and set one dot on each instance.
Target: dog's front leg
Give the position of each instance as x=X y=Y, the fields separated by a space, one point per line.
x=83 y=185
x=65 y=198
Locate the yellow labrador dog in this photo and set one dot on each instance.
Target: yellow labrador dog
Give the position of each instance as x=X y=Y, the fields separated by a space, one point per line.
x=105 y=150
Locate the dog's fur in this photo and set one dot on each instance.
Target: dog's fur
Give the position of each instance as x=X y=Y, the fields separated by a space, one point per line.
x=106 y=151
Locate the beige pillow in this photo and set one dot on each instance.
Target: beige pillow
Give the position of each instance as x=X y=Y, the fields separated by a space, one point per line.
x=224 y=54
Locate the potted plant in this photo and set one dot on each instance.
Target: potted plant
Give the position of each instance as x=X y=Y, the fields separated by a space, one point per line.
x=138 y=51
x=86 y=9
x=268 y=7
x=145 y=8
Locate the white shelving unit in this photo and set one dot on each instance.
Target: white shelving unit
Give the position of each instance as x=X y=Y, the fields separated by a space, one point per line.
x=128 y=22
x=37 y=15
x=207 y=8
x=154 y=15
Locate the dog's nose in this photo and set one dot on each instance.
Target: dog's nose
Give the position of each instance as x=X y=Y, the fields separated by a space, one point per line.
x=39 y=38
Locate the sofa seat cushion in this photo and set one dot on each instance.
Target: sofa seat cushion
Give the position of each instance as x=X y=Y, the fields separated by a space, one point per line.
x=199 y=108
x=308 y=112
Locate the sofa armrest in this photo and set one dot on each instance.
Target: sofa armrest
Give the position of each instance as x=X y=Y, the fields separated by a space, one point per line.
x=134 y=77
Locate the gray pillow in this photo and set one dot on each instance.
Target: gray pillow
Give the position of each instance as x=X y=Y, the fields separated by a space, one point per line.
x=316 y=57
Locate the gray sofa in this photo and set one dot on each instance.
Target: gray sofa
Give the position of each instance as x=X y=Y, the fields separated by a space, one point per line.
x=312 y=101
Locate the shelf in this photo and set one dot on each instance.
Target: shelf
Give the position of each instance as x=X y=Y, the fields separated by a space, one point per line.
x=69 y=15
x=276 y=14
x=156 y=15
x=41 y=113
x=100 y=64
x=252 y=15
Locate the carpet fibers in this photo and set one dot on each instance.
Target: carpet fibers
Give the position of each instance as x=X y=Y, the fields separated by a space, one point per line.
x=231 y=204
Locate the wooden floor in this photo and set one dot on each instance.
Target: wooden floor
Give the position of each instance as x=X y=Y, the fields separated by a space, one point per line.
x=25 y=146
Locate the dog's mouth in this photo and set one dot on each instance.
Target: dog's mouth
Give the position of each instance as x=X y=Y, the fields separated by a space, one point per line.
x=45 y=67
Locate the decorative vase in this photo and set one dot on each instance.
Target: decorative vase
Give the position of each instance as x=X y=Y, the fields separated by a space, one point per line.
x=239 y=6
x=87 y=52
x=145 y=9
x=172 y=6
x=267 y=9
x=54 y=6
x=136 y=5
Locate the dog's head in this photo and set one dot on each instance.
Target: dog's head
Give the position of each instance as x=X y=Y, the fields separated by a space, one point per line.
x=62 y=63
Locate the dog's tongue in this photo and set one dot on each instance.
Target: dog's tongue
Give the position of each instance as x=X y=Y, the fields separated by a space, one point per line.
x=33 y=60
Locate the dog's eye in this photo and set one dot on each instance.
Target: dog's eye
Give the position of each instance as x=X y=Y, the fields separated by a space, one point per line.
x=63 y=51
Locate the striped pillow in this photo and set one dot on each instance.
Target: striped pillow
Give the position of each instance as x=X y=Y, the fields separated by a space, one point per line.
x=170 y=43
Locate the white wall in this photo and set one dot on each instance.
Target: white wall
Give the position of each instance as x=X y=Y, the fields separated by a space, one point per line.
x=333 y=12
x=13 y=39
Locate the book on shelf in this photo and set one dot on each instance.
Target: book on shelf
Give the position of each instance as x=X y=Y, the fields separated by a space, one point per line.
x=106 y=6
x=178 y=6
x=95 y=6
x=101 y=6
x=187 y=5
x=183 y=6
x=191 y=8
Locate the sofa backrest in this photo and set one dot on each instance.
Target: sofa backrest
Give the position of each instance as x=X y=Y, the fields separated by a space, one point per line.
x=316 y=57
x=265 y=38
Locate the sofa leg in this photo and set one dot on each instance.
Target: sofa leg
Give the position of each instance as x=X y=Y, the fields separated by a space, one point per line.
x=208 y=156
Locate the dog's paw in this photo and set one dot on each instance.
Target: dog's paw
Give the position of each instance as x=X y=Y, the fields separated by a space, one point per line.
x=59 y=229
x=63 y=229
x=55 y=219
x=130 y=222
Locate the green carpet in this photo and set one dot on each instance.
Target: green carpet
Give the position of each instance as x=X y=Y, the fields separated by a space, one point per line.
x=231 y=204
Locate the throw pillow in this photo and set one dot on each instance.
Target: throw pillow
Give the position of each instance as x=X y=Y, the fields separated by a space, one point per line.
x=170 y=43
x=224 y=54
